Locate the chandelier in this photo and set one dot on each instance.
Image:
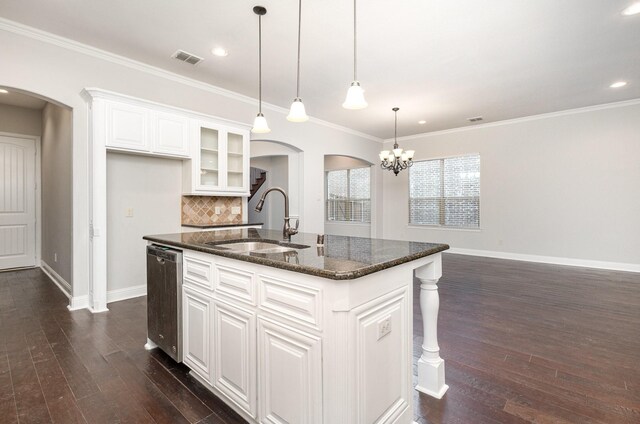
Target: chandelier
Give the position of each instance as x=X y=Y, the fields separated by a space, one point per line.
x=396 y=160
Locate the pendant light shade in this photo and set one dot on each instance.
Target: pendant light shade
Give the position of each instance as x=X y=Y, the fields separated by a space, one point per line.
x=297 y=112
x=355 y=95
x=260 y=125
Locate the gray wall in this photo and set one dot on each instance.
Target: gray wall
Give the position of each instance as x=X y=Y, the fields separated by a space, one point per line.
x=272 y=214
x=560 y=186
x=57 y=200
x=152 y=187
x=20 y=120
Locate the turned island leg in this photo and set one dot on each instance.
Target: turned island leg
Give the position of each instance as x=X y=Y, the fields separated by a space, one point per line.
x=430 y=364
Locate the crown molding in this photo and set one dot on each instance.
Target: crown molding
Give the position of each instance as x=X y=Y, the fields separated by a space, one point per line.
x=624 y=103
x=66 y=43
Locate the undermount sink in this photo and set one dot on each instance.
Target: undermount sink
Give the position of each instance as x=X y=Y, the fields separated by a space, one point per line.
x=257 y=246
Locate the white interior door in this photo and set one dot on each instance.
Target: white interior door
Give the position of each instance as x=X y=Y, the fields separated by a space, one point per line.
x=17 y=202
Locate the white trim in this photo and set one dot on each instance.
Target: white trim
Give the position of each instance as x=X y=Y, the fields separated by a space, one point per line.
x=78 y=302
x=62 y=284
x=625 y=103
x=126 y=293
x=616 y=266
x=442 y=228
x=37 y=34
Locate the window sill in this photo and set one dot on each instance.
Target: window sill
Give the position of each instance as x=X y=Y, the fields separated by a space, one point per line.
x=430 y=227
x=355 y=224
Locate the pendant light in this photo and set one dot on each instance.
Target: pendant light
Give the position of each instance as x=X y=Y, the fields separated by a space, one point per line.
x=297 y=112
x=355 y=95
x=397 y=159
x=260 y=123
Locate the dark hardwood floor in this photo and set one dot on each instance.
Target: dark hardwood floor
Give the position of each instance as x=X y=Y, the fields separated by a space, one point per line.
x=522 y=343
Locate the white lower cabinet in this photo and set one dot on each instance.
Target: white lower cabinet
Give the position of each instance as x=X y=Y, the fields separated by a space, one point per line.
x=234 y=353
x=285 y=348
x=290 y=375
x=196 y=315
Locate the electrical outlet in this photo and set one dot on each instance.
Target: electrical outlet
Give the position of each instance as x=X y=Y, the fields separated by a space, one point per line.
x=218 y=210
x=236 y=210
x=55 y=257
x=129 y=213
x=384 y=327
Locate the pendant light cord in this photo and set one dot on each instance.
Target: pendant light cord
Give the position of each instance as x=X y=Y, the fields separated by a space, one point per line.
x=260 y=63
x=355 y=46
x=395 y=131
x=299 y=25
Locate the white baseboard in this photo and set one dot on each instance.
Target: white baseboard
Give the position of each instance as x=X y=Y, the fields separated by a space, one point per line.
x=78 y=302
x=62 y=284
x=126 y=293
x=616 y=266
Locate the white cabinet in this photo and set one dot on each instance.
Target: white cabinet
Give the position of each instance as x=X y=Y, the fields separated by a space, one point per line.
x=220 y=160
x=196 y=314
x=127 y=127
x=290 y=375
x=234 y=353
x=171 y=134
x=145 y=130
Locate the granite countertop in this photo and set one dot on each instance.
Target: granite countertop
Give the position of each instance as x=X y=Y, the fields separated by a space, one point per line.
x=225 y=225
x=341 y=257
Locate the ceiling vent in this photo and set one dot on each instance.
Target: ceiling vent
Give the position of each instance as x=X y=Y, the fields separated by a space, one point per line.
x=189 y=58
x=475 y=119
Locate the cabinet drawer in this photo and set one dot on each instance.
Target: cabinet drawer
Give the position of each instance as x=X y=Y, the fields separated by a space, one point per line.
x=292 y=301
x=197 y=271
x=235 y=284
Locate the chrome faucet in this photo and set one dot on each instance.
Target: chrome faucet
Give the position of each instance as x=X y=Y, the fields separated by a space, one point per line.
x=287 y=230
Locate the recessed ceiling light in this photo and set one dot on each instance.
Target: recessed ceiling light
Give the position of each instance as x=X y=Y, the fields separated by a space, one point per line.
x=634 y=9
x=422 y=122
x=618 y=84
x=220 y=52
x=3 y=91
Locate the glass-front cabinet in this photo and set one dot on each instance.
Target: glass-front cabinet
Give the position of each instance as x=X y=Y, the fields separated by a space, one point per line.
x=220 y=162
x=209 y=158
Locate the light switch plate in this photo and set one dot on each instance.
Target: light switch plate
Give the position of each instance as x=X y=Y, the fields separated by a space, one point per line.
x=236 y=210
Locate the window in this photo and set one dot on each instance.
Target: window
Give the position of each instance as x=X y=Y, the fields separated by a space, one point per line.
x=348 y=195
x=445 y=192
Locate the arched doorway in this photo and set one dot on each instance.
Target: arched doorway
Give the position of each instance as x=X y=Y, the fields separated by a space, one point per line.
x=36 y=151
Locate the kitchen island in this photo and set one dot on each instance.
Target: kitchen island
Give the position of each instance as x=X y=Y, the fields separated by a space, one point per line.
x=286 y=331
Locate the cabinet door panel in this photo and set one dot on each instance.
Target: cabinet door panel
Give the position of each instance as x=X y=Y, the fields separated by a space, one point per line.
x=290 y=375
x=234 y=352
x=237 y=160
x=171 y=135
x=197 y=330
x=127 y=127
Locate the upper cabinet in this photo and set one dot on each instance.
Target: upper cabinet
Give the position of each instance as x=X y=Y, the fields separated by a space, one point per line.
x=220 y=161
x=215 y=151
x=144 y=130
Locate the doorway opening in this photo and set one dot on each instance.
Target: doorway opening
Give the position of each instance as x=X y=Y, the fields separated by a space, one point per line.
x=36 y=199
x=348 y=188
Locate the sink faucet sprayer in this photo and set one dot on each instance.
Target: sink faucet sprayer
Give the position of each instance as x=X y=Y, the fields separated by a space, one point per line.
x=287 y=230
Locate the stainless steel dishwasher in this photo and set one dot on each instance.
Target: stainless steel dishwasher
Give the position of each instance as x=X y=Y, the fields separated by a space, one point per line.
x=164 y=299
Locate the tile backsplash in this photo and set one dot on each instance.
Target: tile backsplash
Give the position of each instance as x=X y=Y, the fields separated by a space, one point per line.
x=202 y=210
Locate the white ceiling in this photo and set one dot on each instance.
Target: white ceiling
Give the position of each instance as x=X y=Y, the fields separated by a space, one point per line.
x=441 y=61
x=14 y=98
